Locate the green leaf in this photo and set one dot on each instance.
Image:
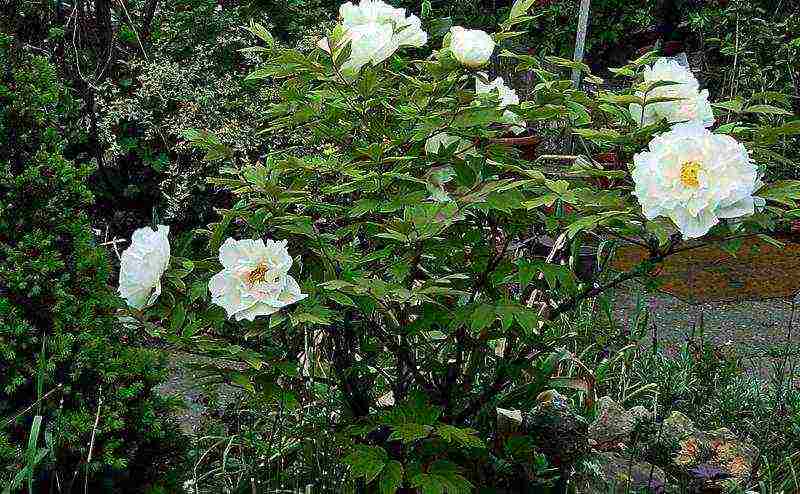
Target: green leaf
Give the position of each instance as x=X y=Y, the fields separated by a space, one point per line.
x=309 y=318
x=465 y=437
x=732 y=246
x=440 y=26
x=219 y=230
x=482 y=317
x=443 y=477
x=520 y=8
x=734 y=105
x=341 y=299
x=366 y=462
x=198 y=291
x=622 y=99
x=784 y=192
x=410 y=432
x=789 y=128
x=598 y=135
x=335 y=285
x=528 y=319
x=526 y=271
x=477 y=117
x=261 y=32
x=768 y=110
x=391 y=477
x=178 y=318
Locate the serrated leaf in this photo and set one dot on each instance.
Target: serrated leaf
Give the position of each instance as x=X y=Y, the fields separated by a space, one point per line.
x=410 y=432
x=465 y=437
x=443 y=477
x=366 y=462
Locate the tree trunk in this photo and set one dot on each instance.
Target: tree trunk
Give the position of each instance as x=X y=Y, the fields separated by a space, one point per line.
x=105 y=34
x=149 y=13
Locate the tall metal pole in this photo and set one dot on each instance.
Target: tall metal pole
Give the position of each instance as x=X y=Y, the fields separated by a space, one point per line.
x=580 y=39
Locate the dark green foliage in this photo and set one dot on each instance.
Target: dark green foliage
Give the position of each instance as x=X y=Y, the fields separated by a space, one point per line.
x=63 y=354
x=192 y=78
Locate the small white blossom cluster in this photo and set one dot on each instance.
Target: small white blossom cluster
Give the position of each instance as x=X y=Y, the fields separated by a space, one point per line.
x=507 y=95
x=254 y=280
x=690 y=175
x=376 y=30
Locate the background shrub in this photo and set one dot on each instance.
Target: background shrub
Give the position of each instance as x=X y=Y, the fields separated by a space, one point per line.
x=63 y=354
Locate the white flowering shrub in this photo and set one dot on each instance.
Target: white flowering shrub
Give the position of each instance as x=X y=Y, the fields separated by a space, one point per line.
x=402 y=259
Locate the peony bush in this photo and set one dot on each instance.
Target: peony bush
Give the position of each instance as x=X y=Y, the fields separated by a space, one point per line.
x=404 y=257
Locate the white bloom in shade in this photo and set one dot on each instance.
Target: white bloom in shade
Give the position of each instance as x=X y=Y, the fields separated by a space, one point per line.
x=471 y=47
x=695 y=178
x=507 y=95
x=375 y=31
x=142 y=265
x=255 y=279
x=692 y=106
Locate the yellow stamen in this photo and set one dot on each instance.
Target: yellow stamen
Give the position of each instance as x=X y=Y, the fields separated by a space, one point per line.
x=258 y=275
x=689 y=174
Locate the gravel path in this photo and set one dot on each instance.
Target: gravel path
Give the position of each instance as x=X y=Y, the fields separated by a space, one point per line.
x=202 y=401
x=765 y=330
x=762 y=330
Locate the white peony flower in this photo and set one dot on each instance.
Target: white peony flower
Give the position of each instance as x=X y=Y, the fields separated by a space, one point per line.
x=375 y=31
x=695 y=178
x=507 y=97
x=693 y=105
x=255 y=279
x=142 y=265
x=471 y=47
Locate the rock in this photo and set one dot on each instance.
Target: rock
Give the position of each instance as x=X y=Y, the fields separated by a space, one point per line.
x=508 y=421
x=557 y=430
x=640 y=414
x=677 y=427
x=715 y=461
x=614 y=424
x=600 y=471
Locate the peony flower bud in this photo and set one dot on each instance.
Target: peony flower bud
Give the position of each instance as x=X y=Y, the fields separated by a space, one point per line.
x=471 y=47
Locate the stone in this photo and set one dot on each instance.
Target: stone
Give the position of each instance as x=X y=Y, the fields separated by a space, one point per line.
x=508 y=421
x=559 y=433
x=614 y=425
x=715 y=461
x=600 y=471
